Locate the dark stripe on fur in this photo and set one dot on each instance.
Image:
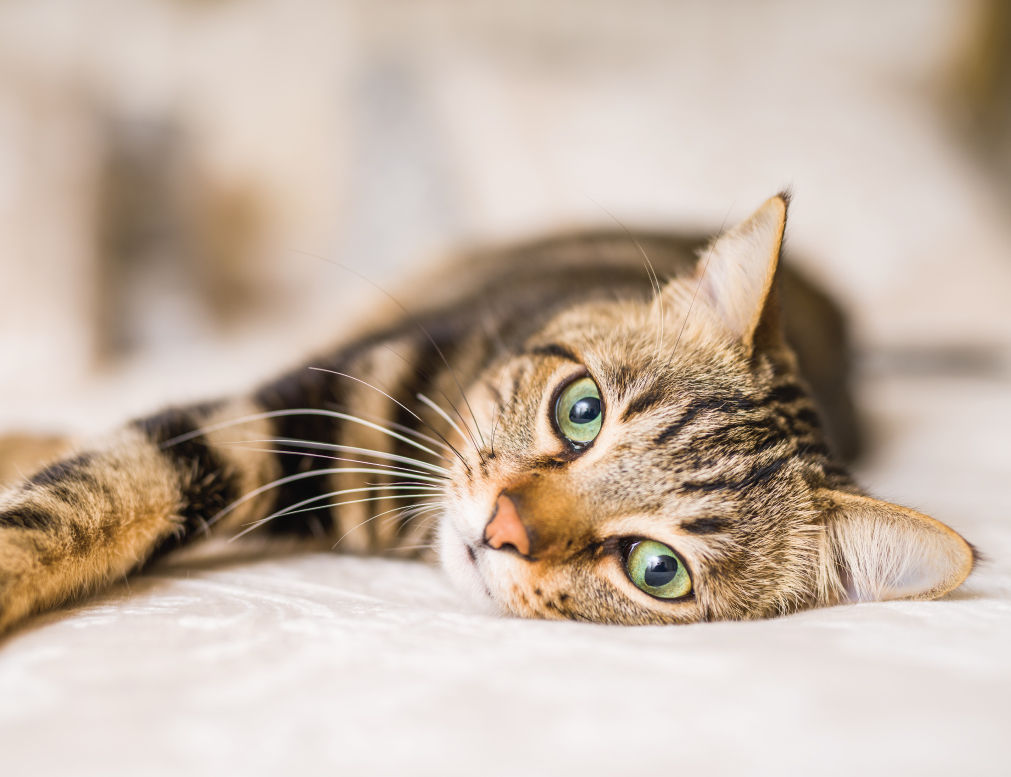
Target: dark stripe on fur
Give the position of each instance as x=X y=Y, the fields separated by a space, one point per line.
x=755 y=477
x=650 y=399
x=700 y=406
x=784 y=394
x=27 y=517
x=61 y=471
x=558 y=351
x=713 y=525
x=69 y=480
x=209 y=483
x=310 y=389
x=808 y=417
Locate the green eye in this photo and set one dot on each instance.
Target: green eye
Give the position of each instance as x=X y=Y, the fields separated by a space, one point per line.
x=658 y=570
x=579 y=412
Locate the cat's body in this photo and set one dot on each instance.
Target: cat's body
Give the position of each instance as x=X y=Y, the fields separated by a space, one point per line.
x=707 y=475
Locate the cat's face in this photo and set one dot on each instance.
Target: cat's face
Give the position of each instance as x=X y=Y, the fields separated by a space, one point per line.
x=660 y=463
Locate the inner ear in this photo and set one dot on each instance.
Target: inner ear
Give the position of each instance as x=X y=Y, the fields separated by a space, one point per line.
x=882 y=551
x=736 y=274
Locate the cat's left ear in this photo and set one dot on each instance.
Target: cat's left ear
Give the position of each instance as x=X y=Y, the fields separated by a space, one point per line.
x=736 y=274
x=882 y=551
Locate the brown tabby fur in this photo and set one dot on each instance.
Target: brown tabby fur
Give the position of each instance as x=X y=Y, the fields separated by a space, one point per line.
x=711 y=444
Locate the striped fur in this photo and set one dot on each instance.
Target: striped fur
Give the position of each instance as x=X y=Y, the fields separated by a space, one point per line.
x=402 y=439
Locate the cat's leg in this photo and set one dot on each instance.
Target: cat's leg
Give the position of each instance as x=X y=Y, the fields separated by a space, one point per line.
x=94 y=516
x=316 y=452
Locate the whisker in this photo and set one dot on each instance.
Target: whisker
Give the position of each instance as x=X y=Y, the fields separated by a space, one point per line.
x=281 y=451
x=405 y=483
x=296 y=508
x=367 y=520
x=418 y=512
x=257 y=524
x=451 y=422
x=496 y=416
x=448 y=445
x=290 y=479
x=402 y=428
x=469 y=435
x=331 y=446
x=299 y=411
x=411 y=512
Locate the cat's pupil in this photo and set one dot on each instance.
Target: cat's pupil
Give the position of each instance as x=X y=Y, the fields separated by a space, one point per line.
x=660 y=570
x=585 y=411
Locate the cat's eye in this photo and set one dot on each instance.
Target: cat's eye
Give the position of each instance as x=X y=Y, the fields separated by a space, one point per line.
x=657 y=570
x=579 y=412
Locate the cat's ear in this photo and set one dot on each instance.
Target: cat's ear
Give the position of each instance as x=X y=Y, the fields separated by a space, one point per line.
x=736 y=274
x=880 y=550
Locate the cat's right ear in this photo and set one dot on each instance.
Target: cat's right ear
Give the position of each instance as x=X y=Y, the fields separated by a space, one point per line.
x=877 y=550
x=736 y=274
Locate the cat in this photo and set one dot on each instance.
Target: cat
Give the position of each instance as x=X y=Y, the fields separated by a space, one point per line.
x=608 y=427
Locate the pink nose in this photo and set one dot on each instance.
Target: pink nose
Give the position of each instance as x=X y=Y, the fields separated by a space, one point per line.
x=506 y=528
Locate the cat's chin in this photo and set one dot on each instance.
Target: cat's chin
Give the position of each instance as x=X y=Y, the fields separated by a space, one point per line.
x=460 y=563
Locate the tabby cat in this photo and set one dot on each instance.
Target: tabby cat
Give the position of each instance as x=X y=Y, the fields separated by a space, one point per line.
x=572 y=436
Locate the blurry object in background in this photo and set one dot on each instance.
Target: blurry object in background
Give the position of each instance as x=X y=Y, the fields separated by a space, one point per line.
x=141 y=236
x=22 y=454
x=980 y=89
x=48 y=157
x=177 y=250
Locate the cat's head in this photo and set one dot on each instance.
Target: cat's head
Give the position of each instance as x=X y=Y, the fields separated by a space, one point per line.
x=662 y=462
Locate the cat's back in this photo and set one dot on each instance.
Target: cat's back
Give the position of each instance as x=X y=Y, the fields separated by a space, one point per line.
x=560 y=267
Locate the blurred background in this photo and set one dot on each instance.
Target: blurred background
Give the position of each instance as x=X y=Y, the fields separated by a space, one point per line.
x=177 y=175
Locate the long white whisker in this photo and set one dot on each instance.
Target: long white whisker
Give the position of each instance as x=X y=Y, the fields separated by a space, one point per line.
x=281 y=451
x=450 y=421
x=291 y=479
x=367 y=520
x=300 y=411
x=291 y=511
x=411 y=511
x=448 y=446
x=416 y=512
x=405 y=429
x=405 y=483
x=330 y=446
x=470 y=435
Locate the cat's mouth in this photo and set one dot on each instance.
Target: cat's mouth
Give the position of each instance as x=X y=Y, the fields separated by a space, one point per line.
x=472 y=558
x=462 y=562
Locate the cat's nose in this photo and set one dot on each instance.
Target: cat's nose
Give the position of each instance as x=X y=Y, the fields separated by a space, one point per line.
x=505 y=528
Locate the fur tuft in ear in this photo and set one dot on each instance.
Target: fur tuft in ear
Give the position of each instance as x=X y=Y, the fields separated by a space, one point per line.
x=882 y=551
x=736 y=273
